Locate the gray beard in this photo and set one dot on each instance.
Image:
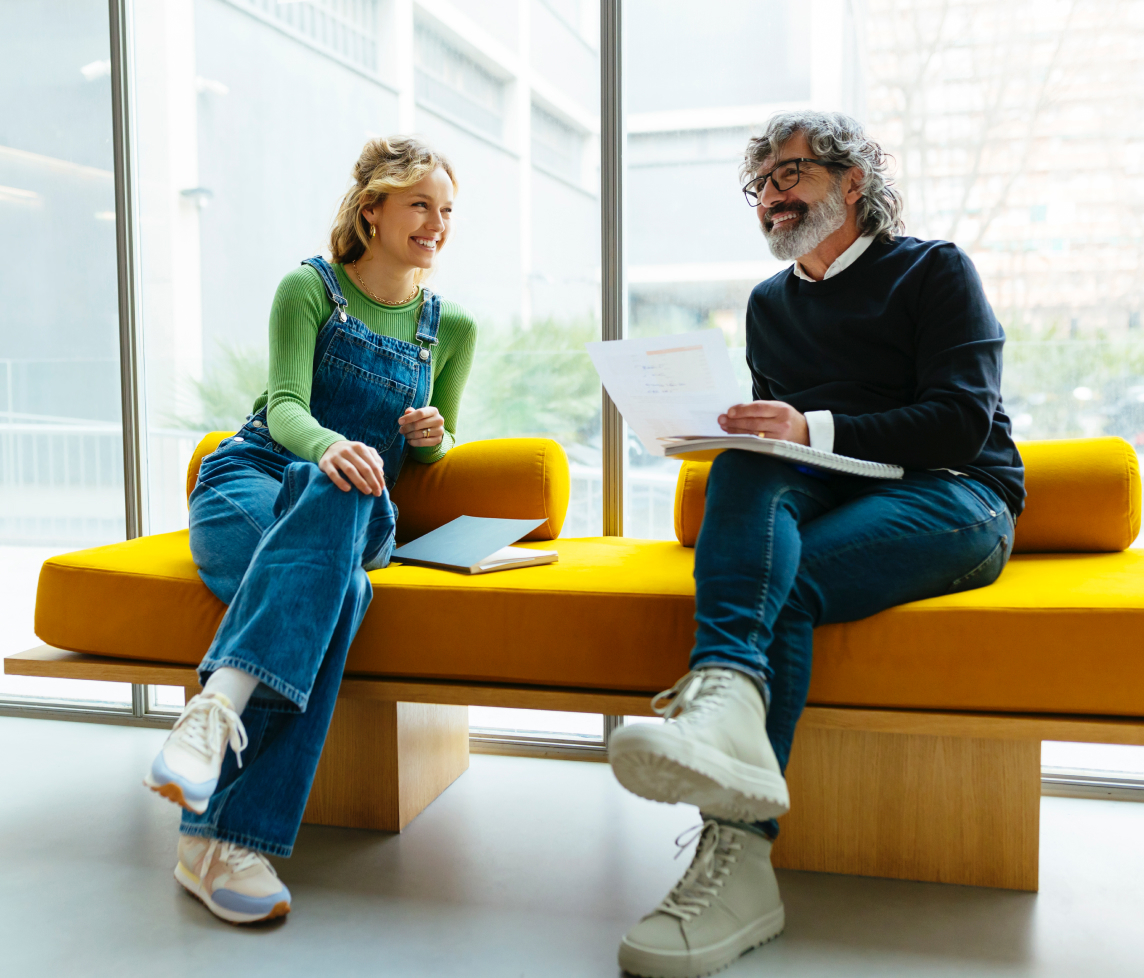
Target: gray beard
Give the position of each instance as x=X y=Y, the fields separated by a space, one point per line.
x=819 y=223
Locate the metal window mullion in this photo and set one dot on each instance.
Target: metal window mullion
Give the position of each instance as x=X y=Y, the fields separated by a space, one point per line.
x=127 y=264
x=611 y=725
x=127 y=268
x=613 y=296
x=613 y=292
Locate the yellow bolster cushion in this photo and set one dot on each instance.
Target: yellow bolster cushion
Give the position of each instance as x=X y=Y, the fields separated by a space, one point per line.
x=1083 y=497
x=512 y=478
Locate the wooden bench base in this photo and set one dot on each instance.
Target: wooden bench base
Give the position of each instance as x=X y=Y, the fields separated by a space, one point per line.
x=917 y=795
x=383 y=762
x=943 y=809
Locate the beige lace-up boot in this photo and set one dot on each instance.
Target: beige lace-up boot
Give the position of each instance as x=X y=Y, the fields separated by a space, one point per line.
x=726 y=903
x=713 y=751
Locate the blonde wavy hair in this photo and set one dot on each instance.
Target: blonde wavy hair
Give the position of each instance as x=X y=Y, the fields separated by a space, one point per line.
x=386 y=166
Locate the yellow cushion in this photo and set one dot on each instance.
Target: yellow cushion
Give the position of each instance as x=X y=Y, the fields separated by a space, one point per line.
x=1057 y=633
x=204 y=448
x=511 y=478
x=613 y=613
x=1083 y=497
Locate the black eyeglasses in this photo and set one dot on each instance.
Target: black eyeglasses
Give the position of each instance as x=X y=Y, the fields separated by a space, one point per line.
x=784 y=176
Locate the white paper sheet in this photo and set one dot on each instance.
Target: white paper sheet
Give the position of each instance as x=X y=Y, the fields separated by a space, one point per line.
x=669 y=386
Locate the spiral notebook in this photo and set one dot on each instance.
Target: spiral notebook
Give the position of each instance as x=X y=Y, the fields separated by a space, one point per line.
x=703 y=449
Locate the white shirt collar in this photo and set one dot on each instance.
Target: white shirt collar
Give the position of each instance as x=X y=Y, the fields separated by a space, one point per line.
x=842 y=262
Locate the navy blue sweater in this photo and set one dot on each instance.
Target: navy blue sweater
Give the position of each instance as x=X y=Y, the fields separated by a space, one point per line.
x=905 y=351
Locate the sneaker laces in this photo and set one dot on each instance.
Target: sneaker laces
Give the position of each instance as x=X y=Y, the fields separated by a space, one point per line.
x=207 y=724
x=237 y=858
x=700 y=689
x=715 y=858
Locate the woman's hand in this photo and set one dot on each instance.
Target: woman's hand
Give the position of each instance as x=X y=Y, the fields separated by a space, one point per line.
x=771 y=419
x=423 y=427
x=357 y=462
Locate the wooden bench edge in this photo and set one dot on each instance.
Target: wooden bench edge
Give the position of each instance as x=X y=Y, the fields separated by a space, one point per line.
x=48 y=662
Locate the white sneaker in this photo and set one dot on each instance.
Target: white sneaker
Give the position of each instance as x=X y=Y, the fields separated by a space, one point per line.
x=727 y=902
x=237 y=885
x=187 y=768
x=713 y=751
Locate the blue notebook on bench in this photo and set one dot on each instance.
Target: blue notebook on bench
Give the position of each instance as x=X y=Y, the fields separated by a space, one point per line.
x=475 y=545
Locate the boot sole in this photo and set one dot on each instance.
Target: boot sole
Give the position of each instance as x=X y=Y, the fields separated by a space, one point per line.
x=697 y=775
x=650 y=962
x=279 y=909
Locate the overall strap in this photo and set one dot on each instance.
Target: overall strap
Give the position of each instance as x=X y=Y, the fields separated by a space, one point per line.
x=330 y=281
x=430 y=317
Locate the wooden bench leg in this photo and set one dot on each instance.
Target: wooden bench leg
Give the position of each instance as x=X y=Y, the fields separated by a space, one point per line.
x=383 y=762
x=941 y=809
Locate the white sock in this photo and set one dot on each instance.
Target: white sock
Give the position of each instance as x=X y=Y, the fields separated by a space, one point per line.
x=234 y=684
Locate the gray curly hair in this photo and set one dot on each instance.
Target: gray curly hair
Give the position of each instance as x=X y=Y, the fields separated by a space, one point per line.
x=838 y=138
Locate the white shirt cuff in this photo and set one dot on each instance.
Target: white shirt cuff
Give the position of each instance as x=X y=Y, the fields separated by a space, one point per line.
x=820 y=426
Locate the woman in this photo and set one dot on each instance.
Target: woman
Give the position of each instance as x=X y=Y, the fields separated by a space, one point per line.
x=290 y=513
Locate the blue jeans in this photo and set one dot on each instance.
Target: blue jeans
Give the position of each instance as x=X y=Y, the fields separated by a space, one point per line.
x=280 y=544
x=781 y=551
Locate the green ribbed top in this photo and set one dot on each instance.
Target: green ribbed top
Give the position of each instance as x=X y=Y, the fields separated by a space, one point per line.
x=301 y=309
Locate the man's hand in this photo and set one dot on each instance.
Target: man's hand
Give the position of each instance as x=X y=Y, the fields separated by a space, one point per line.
x=357 y=462
x=423 y=427
x=771 y=419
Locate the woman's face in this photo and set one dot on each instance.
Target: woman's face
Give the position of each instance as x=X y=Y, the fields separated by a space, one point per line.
x=413 y=225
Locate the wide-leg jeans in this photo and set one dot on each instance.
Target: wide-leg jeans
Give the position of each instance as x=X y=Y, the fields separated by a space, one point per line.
x=284 y=548
x=782 y=551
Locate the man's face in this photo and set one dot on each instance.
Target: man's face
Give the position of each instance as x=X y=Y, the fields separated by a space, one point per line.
x=797 y=220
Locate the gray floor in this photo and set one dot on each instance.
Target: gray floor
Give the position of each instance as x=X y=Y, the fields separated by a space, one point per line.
x=523 y=867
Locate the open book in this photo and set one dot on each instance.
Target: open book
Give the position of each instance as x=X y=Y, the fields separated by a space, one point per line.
x=475 y=545
x=703 y=449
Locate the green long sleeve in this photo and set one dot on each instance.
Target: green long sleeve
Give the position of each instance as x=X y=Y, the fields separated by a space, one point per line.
x=299 y=311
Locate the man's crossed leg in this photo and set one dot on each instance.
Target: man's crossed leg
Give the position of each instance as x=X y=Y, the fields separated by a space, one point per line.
x=780 y=552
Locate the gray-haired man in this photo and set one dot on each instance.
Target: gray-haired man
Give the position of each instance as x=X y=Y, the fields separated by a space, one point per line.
x=871 y=345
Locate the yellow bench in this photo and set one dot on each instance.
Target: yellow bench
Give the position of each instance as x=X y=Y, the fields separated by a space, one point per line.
x=918 y=758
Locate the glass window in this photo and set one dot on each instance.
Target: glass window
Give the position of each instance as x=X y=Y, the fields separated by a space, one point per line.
x=61 y=450
x=695 y=92
x=250 y=116
x=453 y=83
x=1019 y=137
x=1109 y=761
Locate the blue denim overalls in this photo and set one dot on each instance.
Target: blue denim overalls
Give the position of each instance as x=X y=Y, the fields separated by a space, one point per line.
x=280 y=544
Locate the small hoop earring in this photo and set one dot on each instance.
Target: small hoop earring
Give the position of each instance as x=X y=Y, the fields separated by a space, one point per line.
x=372 y=231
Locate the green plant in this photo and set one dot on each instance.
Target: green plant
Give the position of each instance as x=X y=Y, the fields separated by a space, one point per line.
x=222 y=399
x=536 y=381
x=1058 y=387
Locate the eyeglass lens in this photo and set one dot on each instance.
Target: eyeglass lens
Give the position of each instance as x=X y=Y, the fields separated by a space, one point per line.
x=783 y=177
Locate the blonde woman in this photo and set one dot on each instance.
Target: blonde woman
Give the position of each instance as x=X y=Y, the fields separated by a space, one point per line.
x=366 y=364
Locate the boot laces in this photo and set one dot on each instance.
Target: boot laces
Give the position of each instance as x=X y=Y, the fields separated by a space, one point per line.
x=699 y=692
x=714 y=861
x=207 y=725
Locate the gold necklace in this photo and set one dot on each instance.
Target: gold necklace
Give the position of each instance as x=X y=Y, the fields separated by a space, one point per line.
x=377 y=298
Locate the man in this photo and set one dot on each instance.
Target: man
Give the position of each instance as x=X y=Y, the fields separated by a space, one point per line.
x=870 y=345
